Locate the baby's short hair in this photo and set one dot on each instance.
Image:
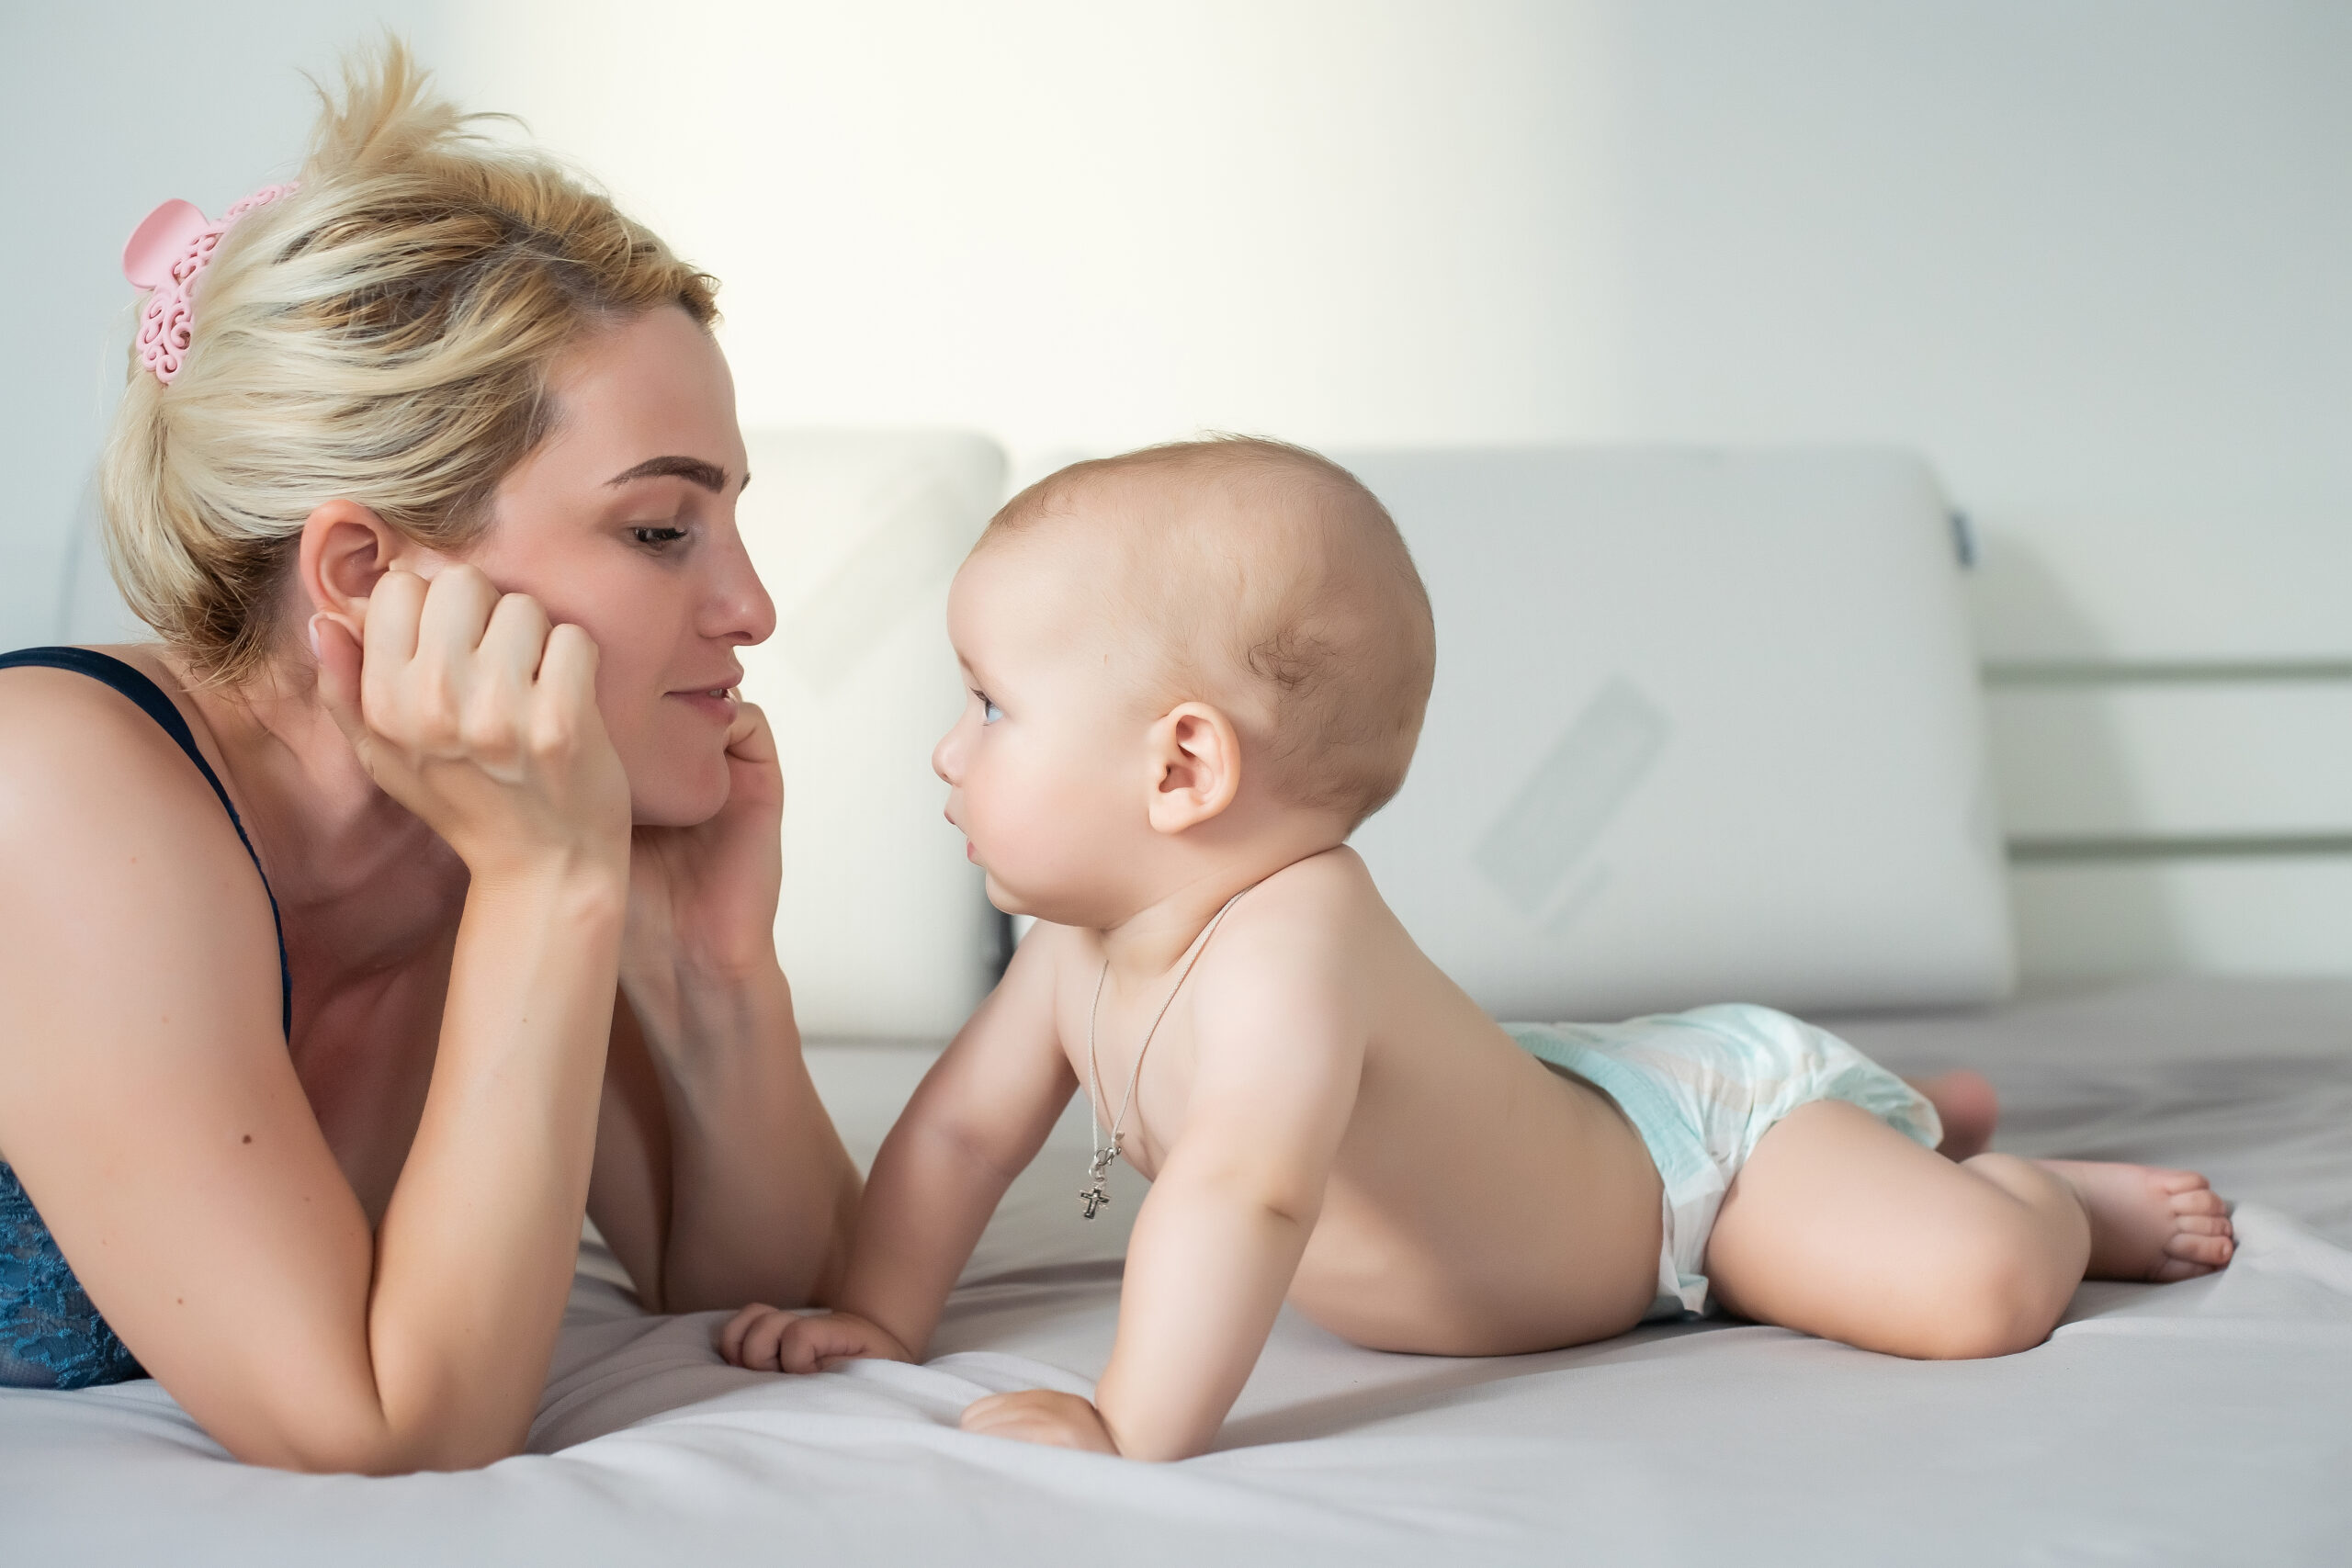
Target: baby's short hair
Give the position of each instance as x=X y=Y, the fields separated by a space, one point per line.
x=1279 y=587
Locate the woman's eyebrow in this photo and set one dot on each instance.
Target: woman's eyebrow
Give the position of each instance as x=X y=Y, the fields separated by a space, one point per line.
x=710 y=476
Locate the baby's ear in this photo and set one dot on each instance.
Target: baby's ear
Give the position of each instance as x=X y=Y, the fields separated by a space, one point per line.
x=1197 y=753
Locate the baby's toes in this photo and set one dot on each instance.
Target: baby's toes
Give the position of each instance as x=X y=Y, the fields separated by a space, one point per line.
x=2199 y=1200
x=2174 y=1270
x=2212 y=1250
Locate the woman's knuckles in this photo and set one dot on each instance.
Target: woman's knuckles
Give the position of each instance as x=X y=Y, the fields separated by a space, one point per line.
x=433 y=732
x=492 y=729
x=488 y=728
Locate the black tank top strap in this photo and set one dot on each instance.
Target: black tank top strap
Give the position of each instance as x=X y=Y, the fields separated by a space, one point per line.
x=112 y=671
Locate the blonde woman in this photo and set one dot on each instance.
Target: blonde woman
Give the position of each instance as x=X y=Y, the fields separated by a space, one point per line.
x=413 y=894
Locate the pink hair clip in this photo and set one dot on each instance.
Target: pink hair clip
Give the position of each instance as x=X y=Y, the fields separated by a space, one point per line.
x=165 y=254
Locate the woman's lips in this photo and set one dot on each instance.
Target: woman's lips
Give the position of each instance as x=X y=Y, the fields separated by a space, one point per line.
x=716 y=705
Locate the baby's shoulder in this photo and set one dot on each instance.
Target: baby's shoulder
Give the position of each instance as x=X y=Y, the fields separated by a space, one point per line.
x=1045 y=956
x=1324 y=902
x=1333 y=884
x=1301 y=931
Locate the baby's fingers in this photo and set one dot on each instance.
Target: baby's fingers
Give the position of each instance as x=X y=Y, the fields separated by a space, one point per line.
x=1040 y=1415
x=748 y=1338
x=814 y=1344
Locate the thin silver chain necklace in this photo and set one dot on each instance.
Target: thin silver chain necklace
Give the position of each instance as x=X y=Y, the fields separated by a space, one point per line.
x=1097 y=1190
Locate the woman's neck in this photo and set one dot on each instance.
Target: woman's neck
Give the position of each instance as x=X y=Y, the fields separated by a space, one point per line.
x=364 y=886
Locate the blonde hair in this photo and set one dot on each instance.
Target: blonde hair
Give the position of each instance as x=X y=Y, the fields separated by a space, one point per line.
x=384 y=336
x=1270 y=572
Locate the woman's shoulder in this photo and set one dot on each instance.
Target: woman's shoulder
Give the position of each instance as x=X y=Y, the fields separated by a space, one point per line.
x=76 y=753
x=67 y=674
x=112 y=842
x=54 y=708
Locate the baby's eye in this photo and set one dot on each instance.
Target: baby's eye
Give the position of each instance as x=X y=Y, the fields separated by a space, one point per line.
x=657 y=537
x=989 y=712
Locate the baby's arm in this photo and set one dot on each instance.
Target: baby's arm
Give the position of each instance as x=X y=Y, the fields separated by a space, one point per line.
x=1279 y=1051
x=975 y=1122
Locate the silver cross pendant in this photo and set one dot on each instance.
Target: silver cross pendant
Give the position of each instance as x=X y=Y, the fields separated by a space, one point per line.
x=1097 y=1190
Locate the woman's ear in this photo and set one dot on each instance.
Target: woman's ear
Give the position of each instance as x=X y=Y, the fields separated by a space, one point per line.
x=345 y=551
x=1198 y=755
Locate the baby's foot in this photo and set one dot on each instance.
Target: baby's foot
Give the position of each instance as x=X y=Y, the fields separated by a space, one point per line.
x=1967 y=1107
x=2148 y=1223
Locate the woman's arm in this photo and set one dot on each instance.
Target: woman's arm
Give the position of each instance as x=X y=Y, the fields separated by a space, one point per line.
x=149 y=1102
x=719 y=1178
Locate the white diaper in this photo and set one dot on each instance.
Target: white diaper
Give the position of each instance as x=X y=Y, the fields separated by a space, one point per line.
x=1702 y=1088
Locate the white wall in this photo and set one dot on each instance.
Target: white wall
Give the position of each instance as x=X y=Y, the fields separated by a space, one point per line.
x=1077 y=224
x=2090 y=257
x=106 y=111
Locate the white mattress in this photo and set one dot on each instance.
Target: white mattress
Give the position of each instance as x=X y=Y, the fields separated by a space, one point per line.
x=2203 y=1422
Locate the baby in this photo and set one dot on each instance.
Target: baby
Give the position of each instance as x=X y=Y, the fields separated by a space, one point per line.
x=1193 y=670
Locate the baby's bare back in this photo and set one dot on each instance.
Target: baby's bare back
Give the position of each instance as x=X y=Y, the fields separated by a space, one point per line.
x=1478 y=1204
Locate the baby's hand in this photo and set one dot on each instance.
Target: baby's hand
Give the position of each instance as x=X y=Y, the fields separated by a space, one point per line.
x=769 y=1339
x=1041 y=1416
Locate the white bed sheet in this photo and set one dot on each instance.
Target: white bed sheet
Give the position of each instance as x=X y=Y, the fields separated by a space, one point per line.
x=2203 y=1422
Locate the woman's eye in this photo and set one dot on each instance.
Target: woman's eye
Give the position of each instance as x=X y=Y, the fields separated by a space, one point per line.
x=656 y=535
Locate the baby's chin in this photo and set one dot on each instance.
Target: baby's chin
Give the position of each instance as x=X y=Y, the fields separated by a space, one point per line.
x=1005 y=899
x=1055 y=906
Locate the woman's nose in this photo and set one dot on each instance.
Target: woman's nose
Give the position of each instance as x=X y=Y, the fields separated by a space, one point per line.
x=737 y=607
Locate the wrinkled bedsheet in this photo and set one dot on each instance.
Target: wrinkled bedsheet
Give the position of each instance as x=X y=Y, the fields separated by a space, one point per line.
x=2203 y=1422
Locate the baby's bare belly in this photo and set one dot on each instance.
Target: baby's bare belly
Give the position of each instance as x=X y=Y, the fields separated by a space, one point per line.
x=1525 y=1219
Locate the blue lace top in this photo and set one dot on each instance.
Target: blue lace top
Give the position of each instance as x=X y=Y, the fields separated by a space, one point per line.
x=51 y=1334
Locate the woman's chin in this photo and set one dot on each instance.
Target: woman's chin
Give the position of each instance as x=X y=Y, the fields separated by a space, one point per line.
x=679 y=799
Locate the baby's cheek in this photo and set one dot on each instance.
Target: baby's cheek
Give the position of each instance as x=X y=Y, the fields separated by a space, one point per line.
x=1023 y=831
x=1008 y=829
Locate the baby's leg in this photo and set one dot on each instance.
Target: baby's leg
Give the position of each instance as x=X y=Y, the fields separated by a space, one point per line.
x=1840 y=1225
x=1965 y=1103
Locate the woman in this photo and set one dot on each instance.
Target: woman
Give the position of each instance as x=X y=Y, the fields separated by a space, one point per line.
x=311 y=1146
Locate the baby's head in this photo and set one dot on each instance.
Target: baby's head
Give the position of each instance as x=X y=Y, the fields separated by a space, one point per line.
x=1212 y=651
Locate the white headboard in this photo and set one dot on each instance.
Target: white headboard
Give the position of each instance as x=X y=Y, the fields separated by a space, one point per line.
x=1706 y=728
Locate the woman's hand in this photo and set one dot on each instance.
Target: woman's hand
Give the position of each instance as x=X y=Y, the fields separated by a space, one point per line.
x=703 y=898
x=468 y=709
x=765 y=1339
x=739 y=1187
x=1041 y=1416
